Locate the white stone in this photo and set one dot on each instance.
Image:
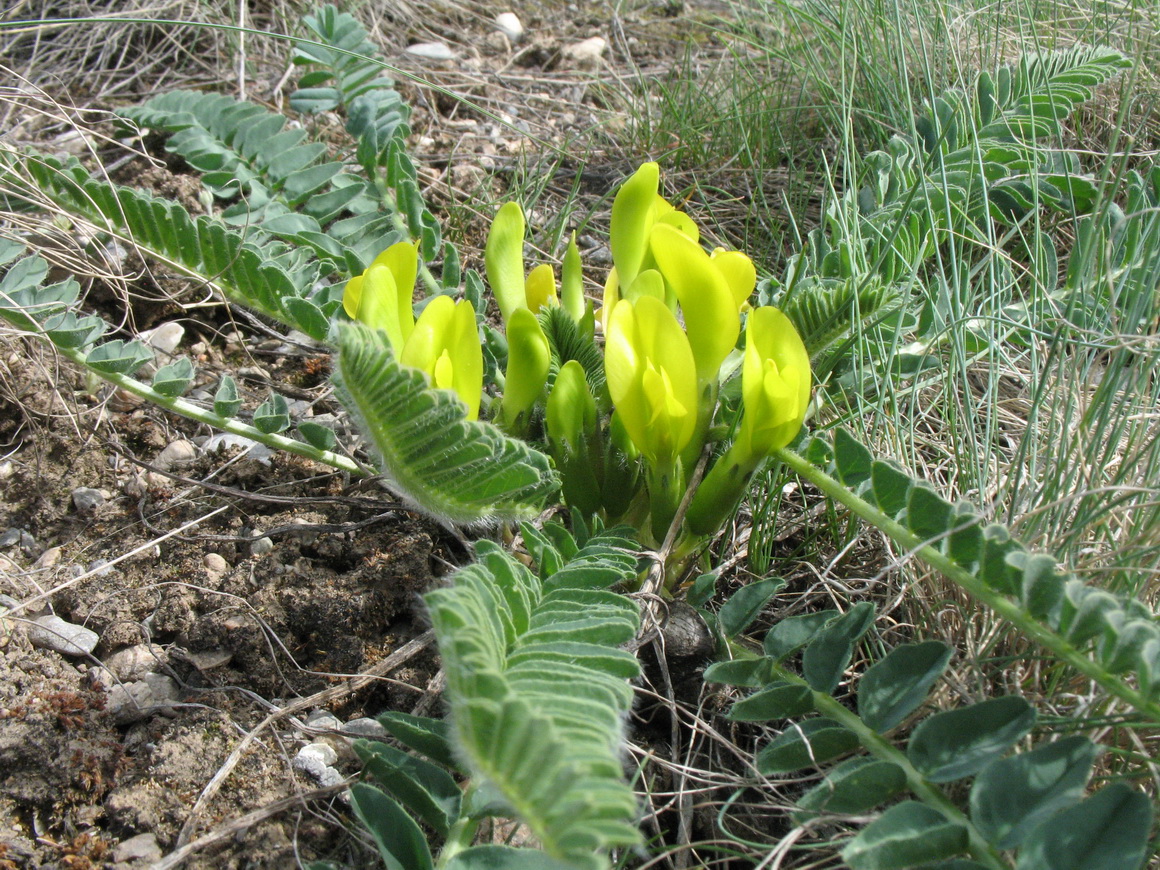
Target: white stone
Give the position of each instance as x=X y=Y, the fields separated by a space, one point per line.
x=175 y=454
x=310 y=761
x=52 y=632
x=430 y=51
x=586 y=53
x=324 y=752
x=253 y=449
x=261 y=546
x=164 y=338
x=509 y=24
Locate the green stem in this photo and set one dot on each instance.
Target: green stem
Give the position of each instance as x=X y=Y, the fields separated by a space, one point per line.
x=226 y=424
x=880 y=747
x=460 y=837
x=666 y=486
x=972 y=585
x=400 y=222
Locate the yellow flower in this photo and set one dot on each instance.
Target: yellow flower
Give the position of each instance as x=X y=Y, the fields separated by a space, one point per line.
x=445 y=345
x=529 y=358
x=651 y=377
x=775 y=383
x=381 y=296
x=503 y=258
x=739 y=273
x=707 y=302
x=636 y=210
x=540 y=288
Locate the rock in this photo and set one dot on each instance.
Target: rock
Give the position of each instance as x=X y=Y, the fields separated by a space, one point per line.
x=324 y=720
x=176 y=454
x=310 y=760
x=164 y=338
x=99 y=568
x=366 y=727
x=508 y=23
x=322 y=751
x=135 y=662
x=47 y=559
x=216 y=565
x=254 y=449
x=52 y=632
x=143 y=847
x=430 y=51
x=207 y=660
x=134 y=486
x=13 y=537
x=86 y=499
x=261 y=546
x=586 y=53
x=132 y=702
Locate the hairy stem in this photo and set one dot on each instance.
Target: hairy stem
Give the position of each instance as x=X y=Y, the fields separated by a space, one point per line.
x=972 y=585
x=226 y=424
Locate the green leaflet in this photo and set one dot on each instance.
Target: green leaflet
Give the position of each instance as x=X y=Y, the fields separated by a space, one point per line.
x=544 y=730
x=461 y=471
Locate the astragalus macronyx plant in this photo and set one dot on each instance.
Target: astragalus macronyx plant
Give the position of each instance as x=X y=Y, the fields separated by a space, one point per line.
x=635 y=404
x=627 y=438
x=627 y=419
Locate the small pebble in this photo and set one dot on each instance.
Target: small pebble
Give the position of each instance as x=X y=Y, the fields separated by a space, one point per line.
x=52 y=632
x=99 y=568
x=324 y=720
x=430 y=51
x=261 y=546
x=366 y=727
x=215 y=564
x=310 y=761
x=164 y=338
x=135 y=662
x=132 y=702
x=18 y=537
x=586 y=53
x=86 y=499
x=47 y=559
x=324 y=752
x=175 y=454
x=207 y=660
x=509 y=24
x=143 y=847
